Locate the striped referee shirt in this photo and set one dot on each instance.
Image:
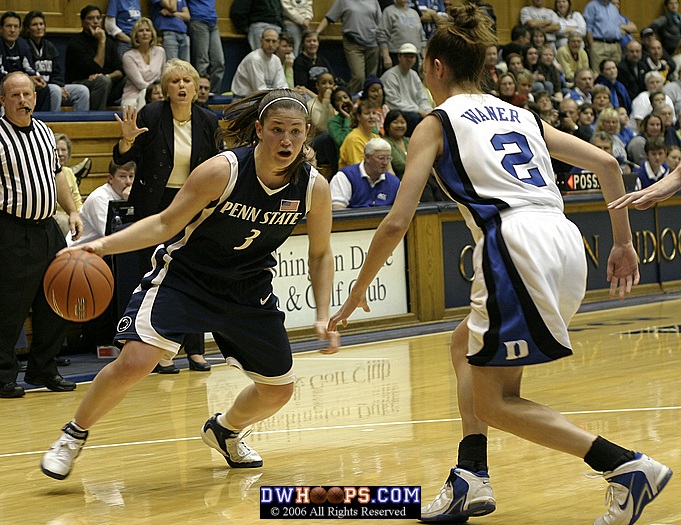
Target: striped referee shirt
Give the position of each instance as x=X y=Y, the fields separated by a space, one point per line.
x=28 y=167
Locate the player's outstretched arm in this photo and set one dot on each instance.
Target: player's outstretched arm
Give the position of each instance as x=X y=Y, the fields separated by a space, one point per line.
x=205 y=184
x=320 y=259
x=424 y=147
x=645 y=198
x=622 y=270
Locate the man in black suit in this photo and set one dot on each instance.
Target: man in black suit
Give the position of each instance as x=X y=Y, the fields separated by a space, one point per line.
x=632 y=69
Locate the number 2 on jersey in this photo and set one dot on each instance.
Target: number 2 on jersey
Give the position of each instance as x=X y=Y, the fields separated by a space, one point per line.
x=530 y=175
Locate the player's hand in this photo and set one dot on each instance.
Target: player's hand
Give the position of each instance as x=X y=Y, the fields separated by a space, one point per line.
x=351 y=303
x=622 y=269
x=645 y=198
x=95 y=247
x=129 y=128
x=333 y=338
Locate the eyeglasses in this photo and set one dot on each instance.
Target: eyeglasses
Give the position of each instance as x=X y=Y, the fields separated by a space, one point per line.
x=383 y=158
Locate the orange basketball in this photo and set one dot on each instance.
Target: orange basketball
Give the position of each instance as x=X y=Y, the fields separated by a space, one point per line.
x=78 y=285
x=318 y=495
x=335 y=495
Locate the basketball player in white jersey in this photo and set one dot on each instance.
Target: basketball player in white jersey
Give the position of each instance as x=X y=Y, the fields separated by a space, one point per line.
x=530 y=270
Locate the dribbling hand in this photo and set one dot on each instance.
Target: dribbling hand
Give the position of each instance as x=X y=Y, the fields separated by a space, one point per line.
x=349 y=306
x=332 y=337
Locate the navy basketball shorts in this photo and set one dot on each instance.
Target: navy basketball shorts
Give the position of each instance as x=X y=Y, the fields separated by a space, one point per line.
x=242 y=315
x=530 y=279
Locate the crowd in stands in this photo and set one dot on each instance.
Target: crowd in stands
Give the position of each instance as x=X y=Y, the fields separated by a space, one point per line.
x=556 y=54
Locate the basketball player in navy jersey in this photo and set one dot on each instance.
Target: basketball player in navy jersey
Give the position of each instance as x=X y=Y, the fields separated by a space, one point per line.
x=530 y=270
x=214 y=275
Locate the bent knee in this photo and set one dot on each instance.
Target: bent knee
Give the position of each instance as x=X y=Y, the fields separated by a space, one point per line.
x=277 y=394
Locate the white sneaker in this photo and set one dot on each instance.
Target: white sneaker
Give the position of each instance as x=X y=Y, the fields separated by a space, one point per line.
x=463 y=495
x=58 y=460
x=237 y=453
x=633 y=485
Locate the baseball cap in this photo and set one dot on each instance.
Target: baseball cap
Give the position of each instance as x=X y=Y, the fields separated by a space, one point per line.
x=647 y=32
x=408 y=49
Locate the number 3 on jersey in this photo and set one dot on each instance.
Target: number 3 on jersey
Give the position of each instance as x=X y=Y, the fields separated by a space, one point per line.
x=512 y=161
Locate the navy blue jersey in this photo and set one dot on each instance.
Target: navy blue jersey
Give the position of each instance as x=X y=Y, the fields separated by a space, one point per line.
x=234 y=237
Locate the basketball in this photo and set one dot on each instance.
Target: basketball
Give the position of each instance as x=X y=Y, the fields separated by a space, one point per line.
x=318 y=495
x=78 y=285
x=335 y=495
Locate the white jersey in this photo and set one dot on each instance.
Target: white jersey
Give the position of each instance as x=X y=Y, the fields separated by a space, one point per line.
x=494 y=158
x=530 y=268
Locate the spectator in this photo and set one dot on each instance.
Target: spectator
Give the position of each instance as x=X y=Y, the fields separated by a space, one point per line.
x=587 y=117
x=673 y=157
x=285 y=55
x=609 y=122
x=666 y=114
x=507 y=89
x=654 y=167
x=627 y=27
x=604 y=34
x=656 y=61
x=373 y=90
x=95 y=210
x=170 y=18
x=254 y=17
x=297 y=15
x=514 y=63
x=395 y=127
x=92 y=60
x=260 y=69
x=341 y=125
x=668 y=26
x=404 y=89
x=537 y=37
x=432 y=12
x=520 y=38
x=154 y=93
x=642 y=105
x=673 y=91
x=546 y=110
x=167 y=140
x=626 y=133
x=16 y=55
x=364 y=121
x=319 y=107
x=491 y=72
x=550 y=72
x=619 y=96
x=632 y=70
x=143 y=64
x=525 y=81
x=48 y=66
x=121 y=16
x=600 y=99
x=203 y=94
x=584 y=85
x=32 y=184
x=309 y=63
x=206 y=46
x=360 y=20
x=531 y=63
x=538 y=16
x=570 y=22
x=650 y=127
x=367 y=183
x=64 y=148
x=572 y=56
x=568 y=115
x=400 y=24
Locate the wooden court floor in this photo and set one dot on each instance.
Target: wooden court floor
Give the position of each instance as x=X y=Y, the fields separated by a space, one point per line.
x=376 y=414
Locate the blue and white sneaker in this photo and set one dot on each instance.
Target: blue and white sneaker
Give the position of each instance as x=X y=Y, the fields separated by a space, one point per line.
x=463 y=495
x=232 y=446
x=633 y=485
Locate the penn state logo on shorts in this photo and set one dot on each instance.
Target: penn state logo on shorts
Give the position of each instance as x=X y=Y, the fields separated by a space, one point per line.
x=124 y=323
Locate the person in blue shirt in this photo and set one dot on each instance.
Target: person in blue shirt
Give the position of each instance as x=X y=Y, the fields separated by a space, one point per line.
x=170 y=19
x=368 y=183
x=121 y=15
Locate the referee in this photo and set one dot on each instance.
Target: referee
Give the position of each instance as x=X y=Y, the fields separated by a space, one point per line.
x=31 y=184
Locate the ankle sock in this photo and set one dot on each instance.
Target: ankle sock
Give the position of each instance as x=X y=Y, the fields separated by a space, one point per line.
x=222 y=421
x=473 y=453
x=605 y=456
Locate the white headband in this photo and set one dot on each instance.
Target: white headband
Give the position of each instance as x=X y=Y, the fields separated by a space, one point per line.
x=278 y=100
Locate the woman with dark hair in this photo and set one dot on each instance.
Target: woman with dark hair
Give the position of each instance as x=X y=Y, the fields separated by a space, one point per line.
x=215 y=274
x=167 y=140
x=341 y=124
x=309 y=64
x=529 y=270
x=651 y=126
x=668 y=26
x=395 y=126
